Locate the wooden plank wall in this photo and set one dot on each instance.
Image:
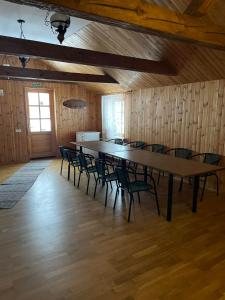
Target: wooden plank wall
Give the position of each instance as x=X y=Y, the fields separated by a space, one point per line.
x=189 y=115
x=14 y=146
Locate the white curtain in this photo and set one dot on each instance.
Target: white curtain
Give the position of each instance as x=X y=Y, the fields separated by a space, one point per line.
x=113 y=116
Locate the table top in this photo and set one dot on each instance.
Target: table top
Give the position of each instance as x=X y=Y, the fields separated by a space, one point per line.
x=173 y=165
x=103 y=147
x=167 y=163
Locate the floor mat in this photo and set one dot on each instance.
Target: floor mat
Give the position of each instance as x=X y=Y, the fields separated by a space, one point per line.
x=15 y=187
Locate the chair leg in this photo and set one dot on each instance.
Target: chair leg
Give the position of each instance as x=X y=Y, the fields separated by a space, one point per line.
x=116 y=196
x=203 y=190
x=181 y=184
x=78 y=184
x=139 y=199
x=68 y=175
x=106 y=193
x=158 y=178
x=88 y=175
x=217 y=184
x=111 y=185
x=157 y=203
x=74 y=176
x=61 y=167
x=130 y=206
x=96 y=183
x=156 y=197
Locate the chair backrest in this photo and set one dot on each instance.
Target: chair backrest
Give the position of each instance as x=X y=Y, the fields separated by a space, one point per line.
x=101 y=167
x=82 y=160
x=158 y=148
x=183 y=153
x=71 y=155
x=118 y=141
x=122 y=177
x=137 y=144
x=61 y=150
x=211 y=158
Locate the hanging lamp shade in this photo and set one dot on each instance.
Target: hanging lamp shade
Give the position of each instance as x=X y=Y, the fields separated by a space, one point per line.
x=60 y=22
x=75 y=103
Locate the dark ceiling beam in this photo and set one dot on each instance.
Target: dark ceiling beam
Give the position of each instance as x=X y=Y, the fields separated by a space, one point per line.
x=52 y=76
x=199 y=8
x=21 y=47
x=141 y=16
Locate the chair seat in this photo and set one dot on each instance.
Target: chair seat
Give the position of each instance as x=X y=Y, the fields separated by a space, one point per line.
x=138 y=186
x=76 y=160
x=108 y=177
x=91 y=169
x=111 y=177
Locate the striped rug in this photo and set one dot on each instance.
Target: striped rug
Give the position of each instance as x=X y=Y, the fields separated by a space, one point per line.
x=15 y=187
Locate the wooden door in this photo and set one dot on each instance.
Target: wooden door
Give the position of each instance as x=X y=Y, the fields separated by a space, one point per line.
x=41 y=123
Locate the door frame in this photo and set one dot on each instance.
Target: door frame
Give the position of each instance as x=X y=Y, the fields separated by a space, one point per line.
x=53 y=117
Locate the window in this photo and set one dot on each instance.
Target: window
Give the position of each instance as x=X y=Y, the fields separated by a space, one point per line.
x=113 y=116
x=39 y=112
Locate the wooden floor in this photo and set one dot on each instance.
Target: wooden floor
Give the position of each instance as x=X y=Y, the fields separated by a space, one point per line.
x=7 y=170
x=57 y=243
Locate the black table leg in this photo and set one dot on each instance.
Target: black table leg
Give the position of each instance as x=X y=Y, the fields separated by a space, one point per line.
x=195 y=194
x=170 y=197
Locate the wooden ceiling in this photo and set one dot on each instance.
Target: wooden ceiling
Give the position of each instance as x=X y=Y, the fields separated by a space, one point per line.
x=193 y=63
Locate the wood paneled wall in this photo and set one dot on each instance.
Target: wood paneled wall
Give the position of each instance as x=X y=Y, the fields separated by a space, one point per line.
x=189 y=115
x=14 y=146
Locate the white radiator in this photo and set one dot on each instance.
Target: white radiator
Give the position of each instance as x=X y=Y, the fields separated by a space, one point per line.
x=85 y=136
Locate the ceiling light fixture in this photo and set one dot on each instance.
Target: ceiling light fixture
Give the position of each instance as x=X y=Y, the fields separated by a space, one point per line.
x=23 y=59
x=60 y=23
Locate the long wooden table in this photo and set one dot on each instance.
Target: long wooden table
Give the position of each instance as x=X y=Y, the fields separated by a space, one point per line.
x=169 y=164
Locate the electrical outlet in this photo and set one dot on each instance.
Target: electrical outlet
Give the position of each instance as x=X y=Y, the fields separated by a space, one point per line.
x=18 y=130
x=1 y=92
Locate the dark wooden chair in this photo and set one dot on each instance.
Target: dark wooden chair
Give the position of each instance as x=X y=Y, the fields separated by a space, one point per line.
x=117 y=141
x=104 y=176
x=132 y=167
x=73 y=161
x=86 y=166
x=212 y=159
x=110 y=159
x=182 y=153
x=64 y=158
x=157 y=148
x=132 y=187
x=136 y=144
